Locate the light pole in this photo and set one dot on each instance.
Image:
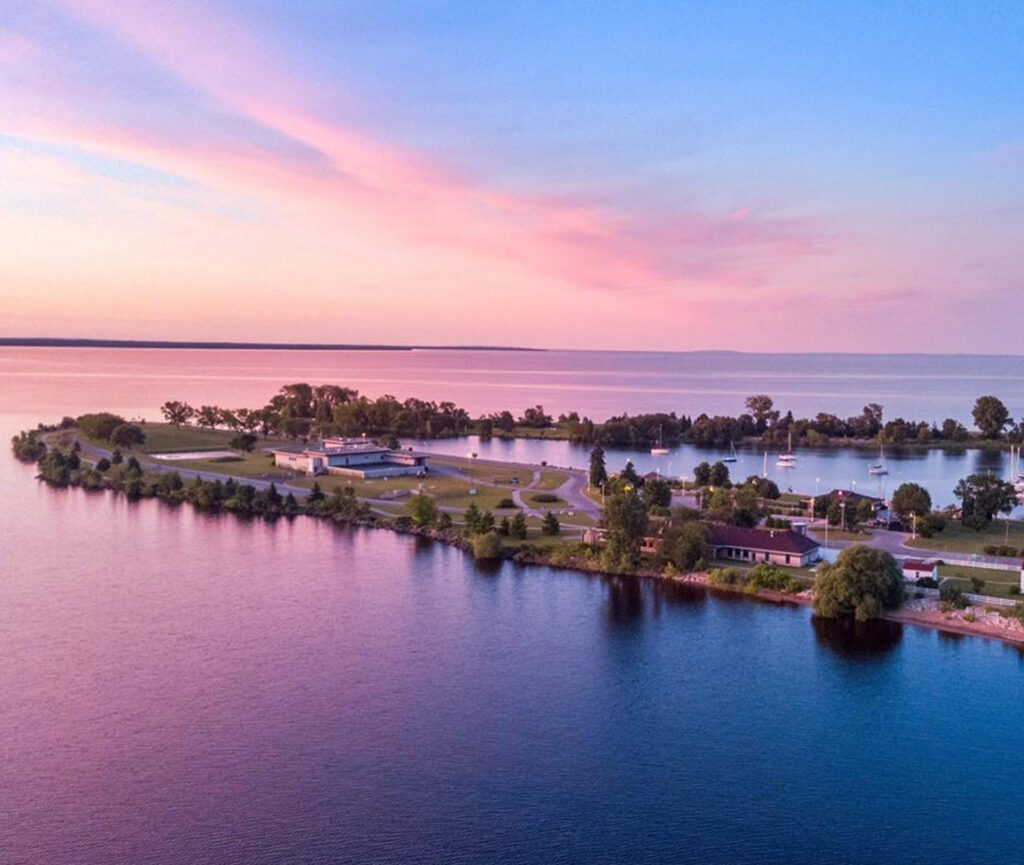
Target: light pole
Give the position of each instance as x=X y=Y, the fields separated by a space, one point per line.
x=842 y=509
x=913 y=529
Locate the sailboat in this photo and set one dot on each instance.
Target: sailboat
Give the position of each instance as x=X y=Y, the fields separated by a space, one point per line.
x=879 y=467
x=732 y=454
x=788 y=459
x=660 y=450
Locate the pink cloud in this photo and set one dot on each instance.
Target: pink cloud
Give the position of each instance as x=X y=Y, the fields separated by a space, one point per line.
x=406 y=195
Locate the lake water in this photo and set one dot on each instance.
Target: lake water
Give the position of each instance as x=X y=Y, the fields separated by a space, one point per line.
x=179 y=688
x=46 y=383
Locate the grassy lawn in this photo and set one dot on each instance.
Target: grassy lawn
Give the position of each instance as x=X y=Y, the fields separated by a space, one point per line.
x=997 y=583
x=550 y=480
x=957 y=539
x=164 y=438
x=502 y=475
x=250 y=465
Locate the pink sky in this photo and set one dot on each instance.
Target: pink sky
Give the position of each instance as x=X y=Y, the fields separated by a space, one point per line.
x=228 y=195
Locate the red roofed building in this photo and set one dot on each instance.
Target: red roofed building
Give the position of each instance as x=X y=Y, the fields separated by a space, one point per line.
x=780 y=547
x=914 y=570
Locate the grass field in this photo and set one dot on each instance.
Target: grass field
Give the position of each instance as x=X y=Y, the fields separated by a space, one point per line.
x=251 y=465
x=957 y=539
x=997 y=583
x=164 y=438
x=550 y=480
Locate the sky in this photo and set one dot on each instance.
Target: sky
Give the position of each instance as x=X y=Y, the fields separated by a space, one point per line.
x=762 y=176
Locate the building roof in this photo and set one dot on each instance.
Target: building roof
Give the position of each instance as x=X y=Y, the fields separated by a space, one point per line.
x=916 y=565
x=850 y=495
x=772 y=541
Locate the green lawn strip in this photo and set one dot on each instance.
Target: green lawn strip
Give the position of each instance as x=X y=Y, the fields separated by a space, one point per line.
x=997 y=583
x=550 y=480
x=510 y=476
x=955 y=538
x=250 y=465
x=165 y=438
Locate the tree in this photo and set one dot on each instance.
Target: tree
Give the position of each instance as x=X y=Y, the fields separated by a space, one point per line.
x=316 y=494
x=550 y=526
x=487 y=546
x=990 y=416
x=719 y=475
x=657 y=493
x=243 y=442
x=628 y=475
x=127 y=435
x=598 y=471
x=505 y=527
x=686 y=546
x=953 y=430
x=422 y=510
x=911 y=499
x=518 y=528
x=99 y=425
x=761 y=409
x=177 y=413
x=764 y=487
x=863 y=583
x=982 y=497
x=472 y=518
x=536 y=418
x=208 y=416
x=625 y=518
x=702 y=474
x=444 y=521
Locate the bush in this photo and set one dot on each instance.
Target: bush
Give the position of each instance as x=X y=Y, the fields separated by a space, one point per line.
x=28 y=447
x=487 y=547
x=728 y=577
x=243 y=442
x=765 y=576
x=1014 y=590
x=100 y=425
x=970 y=617
x=102 y=464
x=952 y=596
x=505 y=505
x=545 y=498
x=927 y=583
x=127 y=434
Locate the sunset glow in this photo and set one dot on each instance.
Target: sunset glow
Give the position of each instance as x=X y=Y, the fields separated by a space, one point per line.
x=558 y=174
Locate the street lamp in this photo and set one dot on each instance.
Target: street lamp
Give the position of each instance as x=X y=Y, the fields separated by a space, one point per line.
x=842 y=508
x=913 y=529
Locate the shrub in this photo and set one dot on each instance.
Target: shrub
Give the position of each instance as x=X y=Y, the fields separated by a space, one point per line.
x=28 y=447
x=928 y=583
x=765 y=576
x=545 y=498
x=728 y=577
x=127 y=434
x=102 y=464
x=100 y=425
x=487 y=547
x=970 y=617
x=1014 y=590
x=505 y=505
x=952 y=596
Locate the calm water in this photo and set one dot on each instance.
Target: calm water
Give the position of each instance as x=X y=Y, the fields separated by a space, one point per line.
x=46 y=383
x=187 y=689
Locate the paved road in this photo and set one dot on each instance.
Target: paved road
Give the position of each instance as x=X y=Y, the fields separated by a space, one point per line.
x=896 y=544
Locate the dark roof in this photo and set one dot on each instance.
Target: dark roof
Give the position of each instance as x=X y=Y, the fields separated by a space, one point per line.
x=850 y=496
x=915 y=565
x=774 y=540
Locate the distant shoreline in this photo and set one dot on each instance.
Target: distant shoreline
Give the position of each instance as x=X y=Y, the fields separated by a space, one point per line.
x=59 y=342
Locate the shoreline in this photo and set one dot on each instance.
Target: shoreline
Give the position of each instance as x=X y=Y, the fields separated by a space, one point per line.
x=985 y=623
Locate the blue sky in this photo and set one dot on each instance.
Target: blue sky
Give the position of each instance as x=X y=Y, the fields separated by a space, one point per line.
x=796 y=159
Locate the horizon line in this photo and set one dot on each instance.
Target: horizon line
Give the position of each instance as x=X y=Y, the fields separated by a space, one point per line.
x=221 y=345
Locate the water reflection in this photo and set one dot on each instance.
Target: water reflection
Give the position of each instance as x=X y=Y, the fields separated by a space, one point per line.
x=849 y=638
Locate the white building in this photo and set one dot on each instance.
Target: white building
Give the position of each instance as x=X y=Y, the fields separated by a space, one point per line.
x=913 y=570
x=353 y=458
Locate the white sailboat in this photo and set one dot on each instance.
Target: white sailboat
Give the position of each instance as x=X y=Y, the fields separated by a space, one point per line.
x=879 y=467
x=732 y=454
x=788 y=459
x=660 y=450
